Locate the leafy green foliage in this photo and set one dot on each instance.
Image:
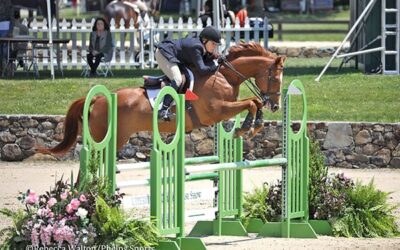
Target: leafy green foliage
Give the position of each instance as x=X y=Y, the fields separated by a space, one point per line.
x=274 y=200
x=109 y=220
x=330 y=198
x=327 y=193
x=354 y=210
x=367 y=214
x=318 y=171
x=115 y=230
x=254 y=205
x=11 y=239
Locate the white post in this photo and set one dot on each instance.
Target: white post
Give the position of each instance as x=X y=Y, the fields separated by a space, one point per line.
x=216 y=20
x=360 y=18
x=50 y=39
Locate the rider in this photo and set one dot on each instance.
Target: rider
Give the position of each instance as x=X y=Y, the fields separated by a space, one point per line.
x=189 y=51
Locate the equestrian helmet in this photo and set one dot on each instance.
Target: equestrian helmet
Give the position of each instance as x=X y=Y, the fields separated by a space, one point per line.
x=211 y=33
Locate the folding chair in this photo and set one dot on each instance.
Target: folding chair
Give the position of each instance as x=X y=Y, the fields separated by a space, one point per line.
x=17 y=56
x=104 y=68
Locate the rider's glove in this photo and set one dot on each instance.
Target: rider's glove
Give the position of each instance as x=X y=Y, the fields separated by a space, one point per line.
x=221 y=59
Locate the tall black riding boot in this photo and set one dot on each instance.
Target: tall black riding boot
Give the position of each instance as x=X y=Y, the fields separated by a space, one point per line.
x=164 y=113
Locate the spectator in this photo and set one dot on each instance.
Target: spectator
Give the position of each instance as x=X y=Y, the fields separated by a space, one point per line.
x=241 y=16
x=208 y=13
x=5 y=28
x=101 y=45
x=19 y=29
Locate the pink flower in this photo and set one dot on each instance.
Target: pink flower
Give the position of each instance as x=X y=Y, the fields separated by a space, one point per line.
x=45 y=234
x=82 y=198
x=63 y=196
x=50 y=215
x=62 y=232
x=35 y=237
x=31 y=198
x=51 y=202
x=75 y=203
x=69 y=209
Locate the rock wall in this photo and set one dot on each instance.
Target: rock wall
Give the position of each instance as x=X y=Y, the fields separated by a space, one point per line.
x=303 y=52
x=348 y=145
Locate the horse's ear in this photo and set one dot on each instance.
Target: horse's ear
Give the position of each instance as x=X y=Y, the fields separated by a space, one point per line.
x=280 y=60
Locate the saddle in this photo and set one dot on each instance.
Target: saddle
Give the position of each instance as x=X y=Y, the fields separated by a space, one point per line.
x=153 y=85
x=157 y=82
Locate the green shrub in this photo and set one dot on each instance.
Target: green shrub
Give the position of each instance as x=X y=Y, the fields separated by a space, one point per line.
x=254 y=205
x=354 y=210
x=327 y=193
x=367 y=214
x=114 y=229
x=318 y=173
x=274 y=201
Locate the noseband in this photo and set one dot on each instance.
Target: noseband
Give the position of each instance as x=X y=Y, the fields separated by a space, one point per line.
x=267 y=96
x=264 y=97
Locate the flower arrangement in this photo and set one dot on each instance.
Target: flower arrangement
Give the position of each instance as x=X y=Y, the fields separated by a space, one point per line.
x=65 y=216
x=61 y=216
x=87 y=216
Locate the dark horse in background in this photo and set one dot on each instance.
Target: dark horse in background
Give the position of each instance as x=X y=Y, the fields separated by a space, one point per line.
x=119 y=9
x=35 y=5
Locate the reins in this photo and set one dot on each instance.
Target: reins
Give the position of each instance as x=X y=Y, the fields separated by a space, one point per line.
x=251 y=85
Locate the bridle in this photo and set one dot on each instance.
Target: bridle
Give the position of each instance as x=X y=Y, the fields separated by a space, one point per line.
x=264 y=97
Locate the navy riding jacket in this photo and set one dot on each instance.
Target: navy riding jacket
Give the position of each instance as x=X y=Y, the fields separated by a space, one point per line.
x=189 y=52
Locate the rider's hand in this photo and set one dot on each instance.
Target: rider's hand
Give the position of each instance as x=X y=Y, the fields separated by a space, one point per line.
x=221 y=59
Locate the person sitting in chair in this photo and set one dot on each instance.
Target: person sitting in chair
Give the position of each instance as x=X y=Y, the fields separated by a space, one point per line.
x=6 y=18
x=19 y=29
x=100 y=45
x=188 y=51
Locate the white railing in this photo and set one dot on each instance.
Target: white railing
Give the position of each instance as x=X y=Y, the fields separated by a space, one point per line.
x=134 y=47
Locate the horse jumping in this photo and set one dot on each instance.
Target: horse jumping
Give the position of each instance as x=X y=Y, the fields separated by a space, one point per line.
x=218 y=94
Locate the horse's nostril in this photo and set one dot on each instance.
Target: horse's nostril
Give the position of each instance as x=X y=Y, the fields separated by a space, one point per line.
x=275 y=107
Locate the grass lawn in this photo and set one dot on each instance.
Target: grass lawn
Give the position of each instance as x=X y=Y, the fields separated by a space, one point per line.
x=348 y=96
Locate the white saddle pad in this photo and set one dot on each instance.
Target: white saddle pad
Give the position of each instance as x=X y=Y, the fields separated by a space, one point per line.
x=153 y=93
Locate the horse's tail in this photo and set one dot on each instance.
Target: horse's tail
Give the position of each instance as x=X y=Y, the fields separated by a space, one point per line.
x=71 y=128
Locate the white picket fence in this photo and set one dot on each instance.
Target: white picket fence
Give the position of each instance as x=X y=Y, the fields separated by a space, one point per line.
x=134 y=47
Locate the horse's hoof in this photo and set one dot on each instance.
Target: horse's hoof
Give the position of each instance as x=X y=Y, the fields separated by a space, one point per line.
x=256 y=129
x=239 y=132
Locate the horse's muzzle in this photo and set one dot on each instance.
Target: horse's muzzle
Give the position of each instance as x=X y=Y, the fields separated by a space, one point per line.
x=269 y=103
x=274 y=107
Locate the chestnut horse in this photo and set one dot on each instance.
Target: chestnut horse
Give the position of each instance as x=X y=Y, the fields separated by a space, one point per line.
x=122 y=10
x=217 y=101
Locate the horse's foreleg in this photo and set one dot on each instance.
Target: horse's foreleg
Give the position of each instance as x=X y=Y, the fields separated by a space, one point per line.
x=230 y=109
x=246 y=125
x=259 y=121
